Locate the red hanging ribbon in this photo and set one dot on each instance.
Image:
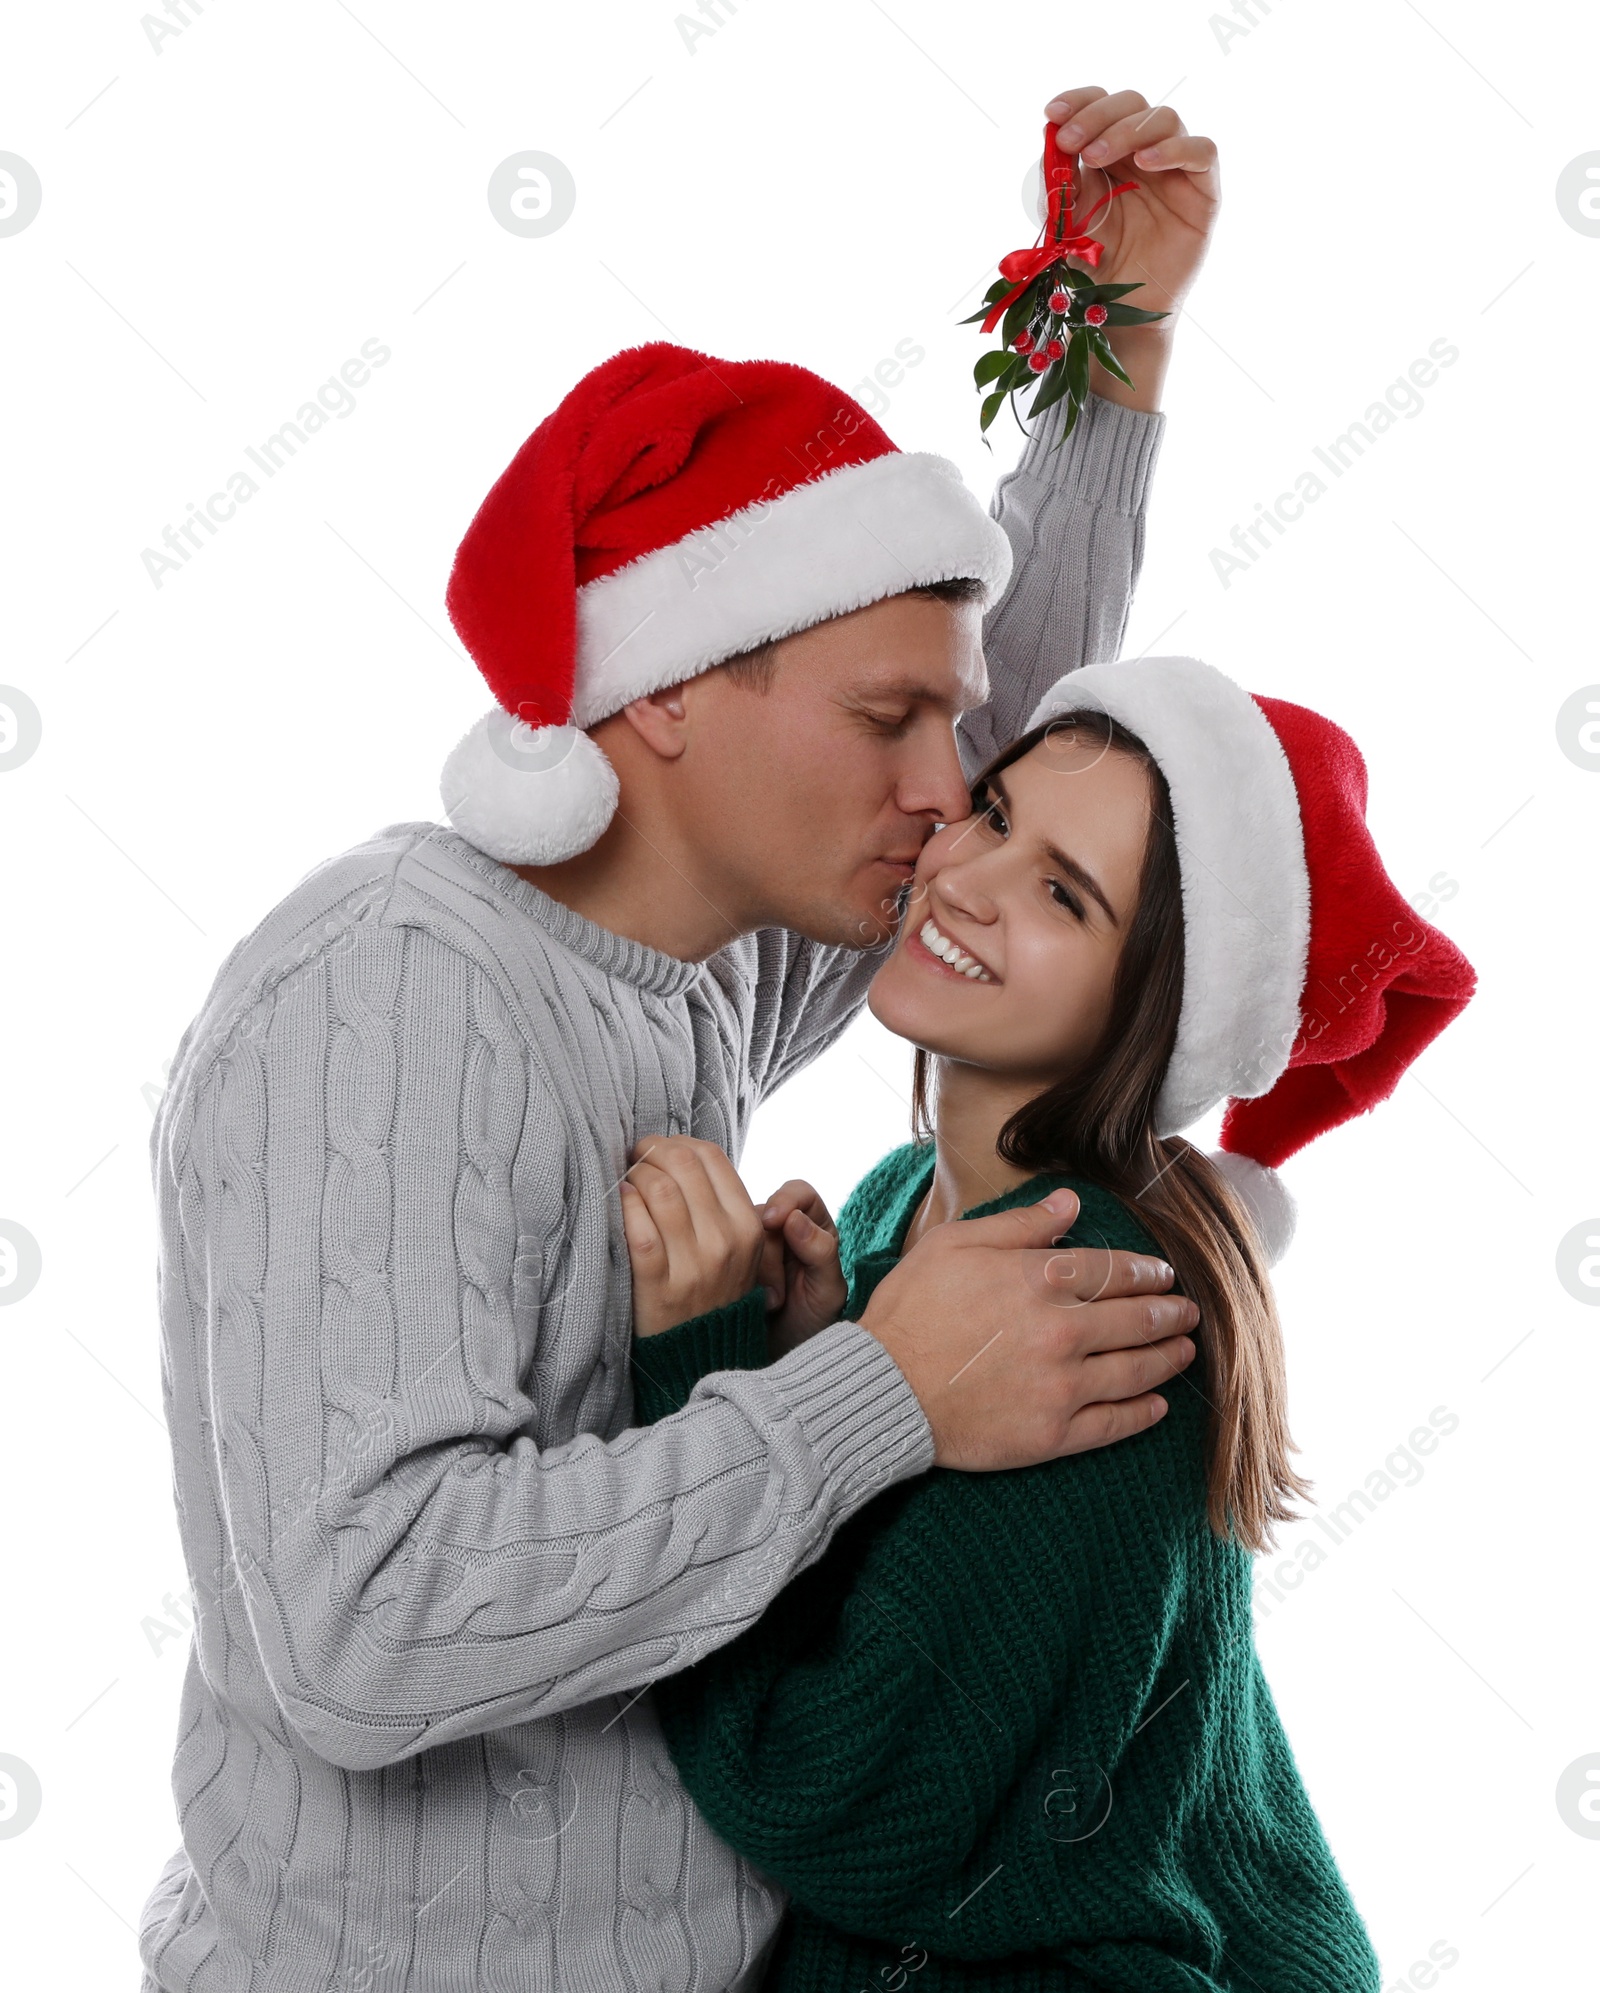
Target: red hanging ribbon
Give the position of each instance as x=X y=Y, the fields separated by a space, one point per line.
x=1021 y=266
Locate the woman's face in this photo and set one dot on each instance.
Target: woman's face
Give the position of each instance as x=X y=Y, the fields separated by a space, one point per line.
x=1036 y=892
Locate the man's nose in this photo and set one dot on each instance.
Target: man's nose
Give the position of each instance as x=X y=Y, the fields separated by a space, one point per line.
x=940 y=790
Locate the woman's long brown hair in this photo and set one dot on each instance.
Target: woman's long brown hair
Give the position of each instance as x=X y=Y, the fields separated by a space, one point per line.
x=1098 y=1122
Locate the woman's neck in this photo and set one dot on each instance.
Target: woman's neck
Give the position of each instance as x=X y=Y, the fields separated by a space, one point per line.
x=971 y=1106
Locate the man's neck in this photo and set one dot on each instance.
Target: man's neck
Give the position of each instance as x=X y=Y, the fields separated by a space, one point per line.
x=640 y=887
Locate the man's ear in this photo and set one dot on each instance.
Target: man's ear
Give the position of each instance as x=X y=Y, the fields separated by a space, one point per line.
x=661 y=720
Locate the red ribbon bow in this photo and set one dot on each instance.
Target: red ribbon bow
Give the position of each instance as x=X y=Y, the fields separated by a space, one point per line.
x=1057 y=238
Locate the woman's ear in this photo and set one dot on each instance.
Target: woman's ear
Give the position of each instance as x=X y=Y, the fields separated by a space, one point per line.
x=661 y=720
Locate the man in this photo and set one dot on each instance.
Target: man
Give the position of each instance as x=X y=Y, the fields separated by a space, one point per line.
x=435 y=1568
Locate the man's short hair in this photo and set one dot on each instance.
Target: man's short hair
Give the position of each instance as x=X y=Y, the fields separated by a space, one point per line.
x=754 y=669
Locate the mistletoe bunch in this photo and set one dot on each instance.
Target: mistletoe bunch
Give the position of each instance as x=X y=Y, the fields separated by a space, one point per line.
x=1053 y=316
x=1049 y=334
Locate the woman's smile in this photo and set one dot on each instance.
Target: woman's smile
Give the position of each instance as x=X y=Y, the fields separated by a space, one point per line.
x=1028 y=899
x=935 y=950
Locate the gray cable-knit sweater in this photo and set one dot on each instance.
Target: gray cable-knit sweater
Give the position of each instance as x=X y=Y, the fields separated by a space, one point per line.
x=435 y=1567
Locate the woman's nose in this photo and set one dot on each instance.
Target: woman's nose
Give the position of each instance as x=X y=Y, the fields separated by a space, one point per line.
x=964 y=886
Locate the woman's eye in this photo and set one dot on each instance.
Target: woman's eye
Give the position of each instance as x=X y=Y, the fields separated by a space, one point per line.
x=995 y=818
x=1063 y=898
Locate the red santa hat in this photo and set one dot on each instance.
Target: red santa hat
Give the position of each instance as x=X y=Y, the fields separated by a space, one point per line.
x=1309 y=983
x=673 y=511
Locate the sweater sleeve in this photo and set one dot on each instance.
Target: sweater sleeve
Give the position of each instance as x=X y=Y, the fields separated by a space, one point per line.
x=364 y=1295
x=1074 y=515
x=667 y=1367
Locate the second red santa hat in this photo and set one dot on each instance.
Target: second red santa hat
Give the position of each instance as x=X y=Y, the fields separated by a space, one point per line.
x=1309 y=982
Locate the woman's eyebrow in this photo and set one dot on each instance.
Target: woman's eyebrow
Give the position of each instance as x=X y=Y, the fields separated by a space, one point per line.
x=1079 y=874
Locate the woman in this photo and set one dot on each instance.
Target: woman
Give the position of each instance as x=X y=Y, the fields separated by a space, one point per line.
x=1011 y=1730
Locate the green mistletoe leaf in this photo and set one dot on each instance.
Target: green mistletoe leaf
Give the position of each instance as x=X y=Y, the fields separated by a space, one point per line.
x=1108 y=359
x=990 y=409
x=1127 y=314
x=1017 y=316
x=991 y=366
x=1077 y=367
x=1055 y=386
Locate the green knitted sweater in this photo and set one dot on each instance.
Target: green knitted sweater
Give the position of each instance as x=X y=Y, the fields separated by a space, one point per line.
x=1010 y=1731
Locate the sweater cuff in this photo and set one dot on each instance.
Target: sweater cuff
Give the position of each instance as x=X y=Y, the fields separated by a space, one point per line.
x=667 y=1367
x=860 y=1415
x=1109 y=459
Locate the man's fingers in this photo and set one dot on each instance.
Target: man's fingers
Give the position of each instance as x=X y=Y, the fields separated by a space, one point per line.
x=1089 y=121
x=1027 y=1225
x=1132 y=1323
x=1102 y=1425
x=1148 y=126
x=1074 y=1276
x=1080 y=1273
x=1132 y=1373
x=1067 y=103
x=1192 y=165
x=1182 y=153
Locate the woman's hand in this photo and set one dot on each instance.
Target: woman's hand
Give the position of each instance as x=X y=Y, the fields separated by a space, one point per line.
x=801 y=1266
x=694 y=1237
x=1158 y=234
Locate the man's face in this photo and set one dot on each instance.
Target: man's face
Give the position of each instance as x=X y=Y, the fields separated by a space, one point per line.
x=812 y=800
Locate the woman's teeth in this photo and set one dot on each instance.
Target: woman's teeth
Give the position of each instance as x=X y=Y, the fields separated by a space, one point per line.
x=947 y=951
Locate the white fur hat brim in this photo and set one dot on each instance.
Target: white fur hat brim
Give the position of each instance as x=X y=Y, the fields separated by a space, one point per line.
x=1241 y=850
x=835 y=544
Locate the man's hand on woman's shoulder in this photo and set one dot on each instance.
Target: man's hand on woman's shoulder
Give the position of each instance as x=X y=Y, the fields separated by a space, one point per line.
x=1019 y=1353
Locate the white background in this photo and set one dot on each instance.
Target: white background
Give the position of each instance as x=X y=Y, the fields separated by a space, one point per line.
x=225 y=221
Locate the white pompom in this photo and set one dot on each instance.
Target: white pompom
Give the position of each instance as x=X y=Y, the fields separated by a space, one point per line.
x=528 y=795
x=1266 y=1197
